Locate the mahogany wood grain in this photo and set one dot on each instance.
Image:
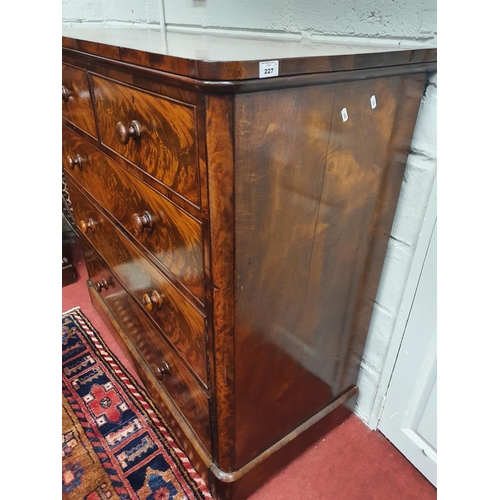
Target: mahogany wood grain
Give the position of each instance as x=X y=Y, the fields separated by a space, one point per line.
x=156 y=83
x=178 y=383
x=140 y=77
x=171 y=417
x=220 y=165
x=174 y=238
x=306 y=200
x=181 y=323
x=185 y=205
x=235 y=85
x=224 y=70
x=76 y=99
x=247 y=70
x=408 y=95
x=280 y=158
x=165 y=141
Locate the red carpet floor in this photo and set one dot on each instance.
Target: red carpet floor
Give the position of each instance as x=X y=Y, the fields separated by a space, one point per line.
x=349 y=463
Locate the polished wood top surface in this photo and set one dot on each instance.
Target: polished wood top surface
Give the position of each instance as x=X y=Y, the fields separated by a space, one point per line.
x=237 y=57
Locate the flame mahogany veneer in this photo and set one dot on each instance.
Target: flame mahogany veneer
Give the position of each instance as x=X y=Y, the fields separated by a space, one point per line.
x=234 y=231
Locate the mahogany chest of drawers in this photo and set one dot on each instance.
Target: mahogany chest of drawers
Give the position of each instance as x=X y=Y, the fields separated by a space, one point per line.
x=235 y=227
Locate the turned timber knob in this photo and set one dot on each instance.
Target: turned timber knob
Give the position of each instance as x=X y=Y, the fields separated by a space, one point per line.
x=164 y=369
x=85 y=226
x=123 y=133
x=77 y=161
x=143 y=221
x=152 y=302
x=66 y=94
x=103 y=284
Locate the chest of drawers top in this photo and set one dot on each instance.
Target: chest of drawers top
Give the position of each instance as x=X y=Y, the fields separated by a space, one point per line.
x=229 y=58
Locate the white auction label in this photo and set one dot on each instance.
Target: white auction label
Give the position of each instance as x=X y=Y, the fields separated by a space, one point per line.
x=268 y=69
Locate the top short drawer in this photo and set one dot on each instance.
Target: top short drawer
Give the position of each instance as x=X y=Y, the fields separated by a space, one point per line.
x=155 y=133
x=76 y=99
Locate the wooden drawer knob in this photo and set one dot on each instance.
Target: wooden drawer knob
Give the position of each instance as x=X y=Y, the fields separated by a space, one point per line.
x=162 y=370
x=66 y=94
x=103 y=284
x=124 y=133
x=77 y=161
x=143 y=221
x=152 y=302
x=90 y=224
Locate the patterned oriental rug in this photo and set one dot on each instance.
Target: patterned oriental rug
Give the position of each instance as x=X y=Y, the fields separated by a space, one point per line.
x=115 y=444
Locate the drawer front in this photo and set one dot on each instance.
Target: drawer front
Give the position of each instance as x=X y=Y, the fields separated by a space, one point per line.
x=181 y=323
x=166 y=366
x=171 y=235
x=155 y=133
x=76 y=100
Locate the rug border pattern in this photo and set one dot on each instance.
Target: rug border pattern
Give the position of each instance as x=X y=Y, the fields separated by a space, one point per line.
x=141 y=398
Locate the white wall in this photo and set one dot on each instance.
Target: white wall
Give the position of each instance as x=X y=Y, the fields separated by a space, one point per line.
x=406 y=20
x=414 y=19
x=417 y=185
x=402 y=19
x=141 y=12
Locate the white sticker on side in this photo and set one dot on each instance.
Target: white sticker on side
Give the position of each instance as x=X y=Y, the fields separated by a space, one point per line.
x=344 y=114
x=373 y=102
x=268 y=69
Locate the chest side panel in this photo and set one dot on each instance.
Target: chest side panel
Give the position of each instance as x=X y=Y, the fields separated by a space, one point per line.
x=315 y=192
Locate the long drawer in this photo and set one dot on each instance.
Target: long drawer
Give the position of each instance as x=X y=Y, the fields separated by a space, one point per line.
x=170 y=234
x=183 y=325
x=155 y=133
x=76 y=99
x=182 y=388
